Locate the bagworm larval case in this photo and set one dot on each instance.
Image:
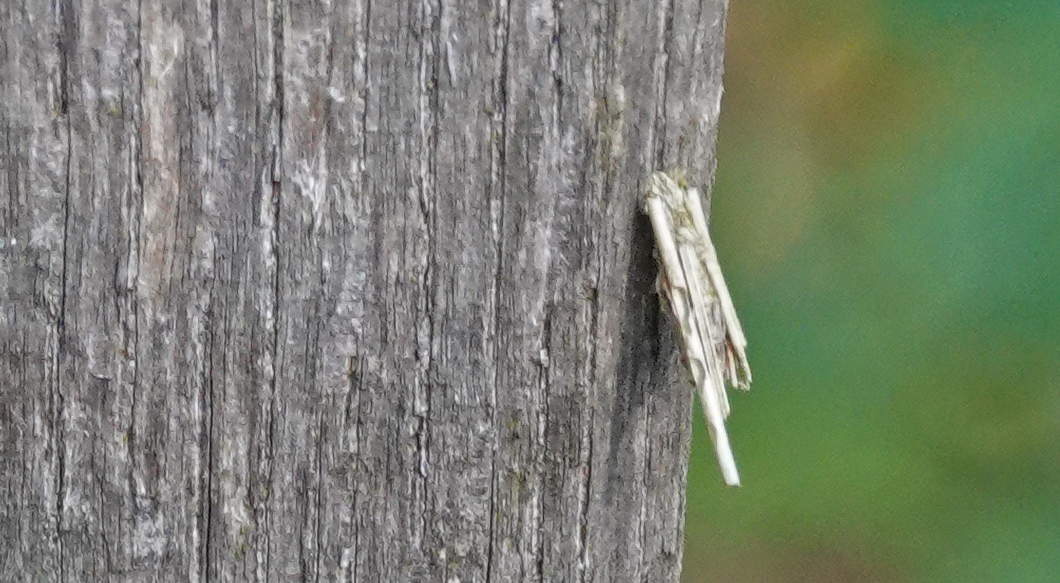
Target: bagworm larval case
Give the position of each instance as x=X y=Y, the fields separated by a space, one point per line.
x=691 y=282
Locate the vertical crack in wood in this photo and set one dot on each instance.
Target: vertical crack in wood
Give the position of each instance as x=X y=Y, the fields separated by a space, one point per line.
x=359 y=381
x=210 y=564
x=660 y=77
x=136 y=200
x=275 y=9
x=499 y=40
x=664 y=86
x=67 y=27
x=207 y=567
x=363 y=43
x=8 y=225
x=321 y=429
x=544 y=378
x=428 y=56
x=587 y=442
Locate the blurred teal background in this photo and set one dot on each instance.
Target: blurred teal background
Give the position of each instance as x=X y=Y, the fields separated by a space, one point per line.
x=887 y=211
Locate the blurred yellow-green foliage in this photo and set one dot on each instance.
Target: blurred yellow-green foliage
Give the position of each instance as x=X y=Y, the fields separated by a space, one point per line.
x=887 y=210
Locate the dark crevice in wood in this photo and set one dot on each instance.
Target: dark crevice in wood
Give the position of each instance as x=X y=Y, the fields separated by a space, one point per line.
x=277 y=33
x=427 y=35
x=661 y=138
x=8 y=226
x=498 y=189
x=356 y=383
x=65 y=44
x=541 y=455
x=138 y=170
x=318 y=526
x=209 y=421
x=587 y=482
x=557 y=60
x=67 y=41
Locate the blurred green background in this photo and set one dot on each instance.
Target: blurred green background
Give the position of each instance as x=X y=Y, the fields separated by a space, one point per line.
x=887 y=211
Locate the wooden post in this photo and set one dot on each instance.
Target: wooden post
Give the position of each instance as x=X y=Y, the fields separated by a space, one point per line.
x=347 y=290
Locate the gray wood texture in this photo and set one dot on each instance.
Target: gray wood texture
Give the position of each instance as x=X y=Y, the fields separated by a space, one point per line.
x=350 y=290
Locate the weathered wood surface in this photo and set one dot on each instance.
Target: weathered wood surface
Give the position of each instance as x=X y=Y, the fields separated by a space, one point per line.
x=354 y=290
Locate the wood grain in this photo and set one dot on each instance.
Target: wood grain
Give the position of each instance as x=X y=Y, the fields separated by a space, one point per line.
x=349 y=290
